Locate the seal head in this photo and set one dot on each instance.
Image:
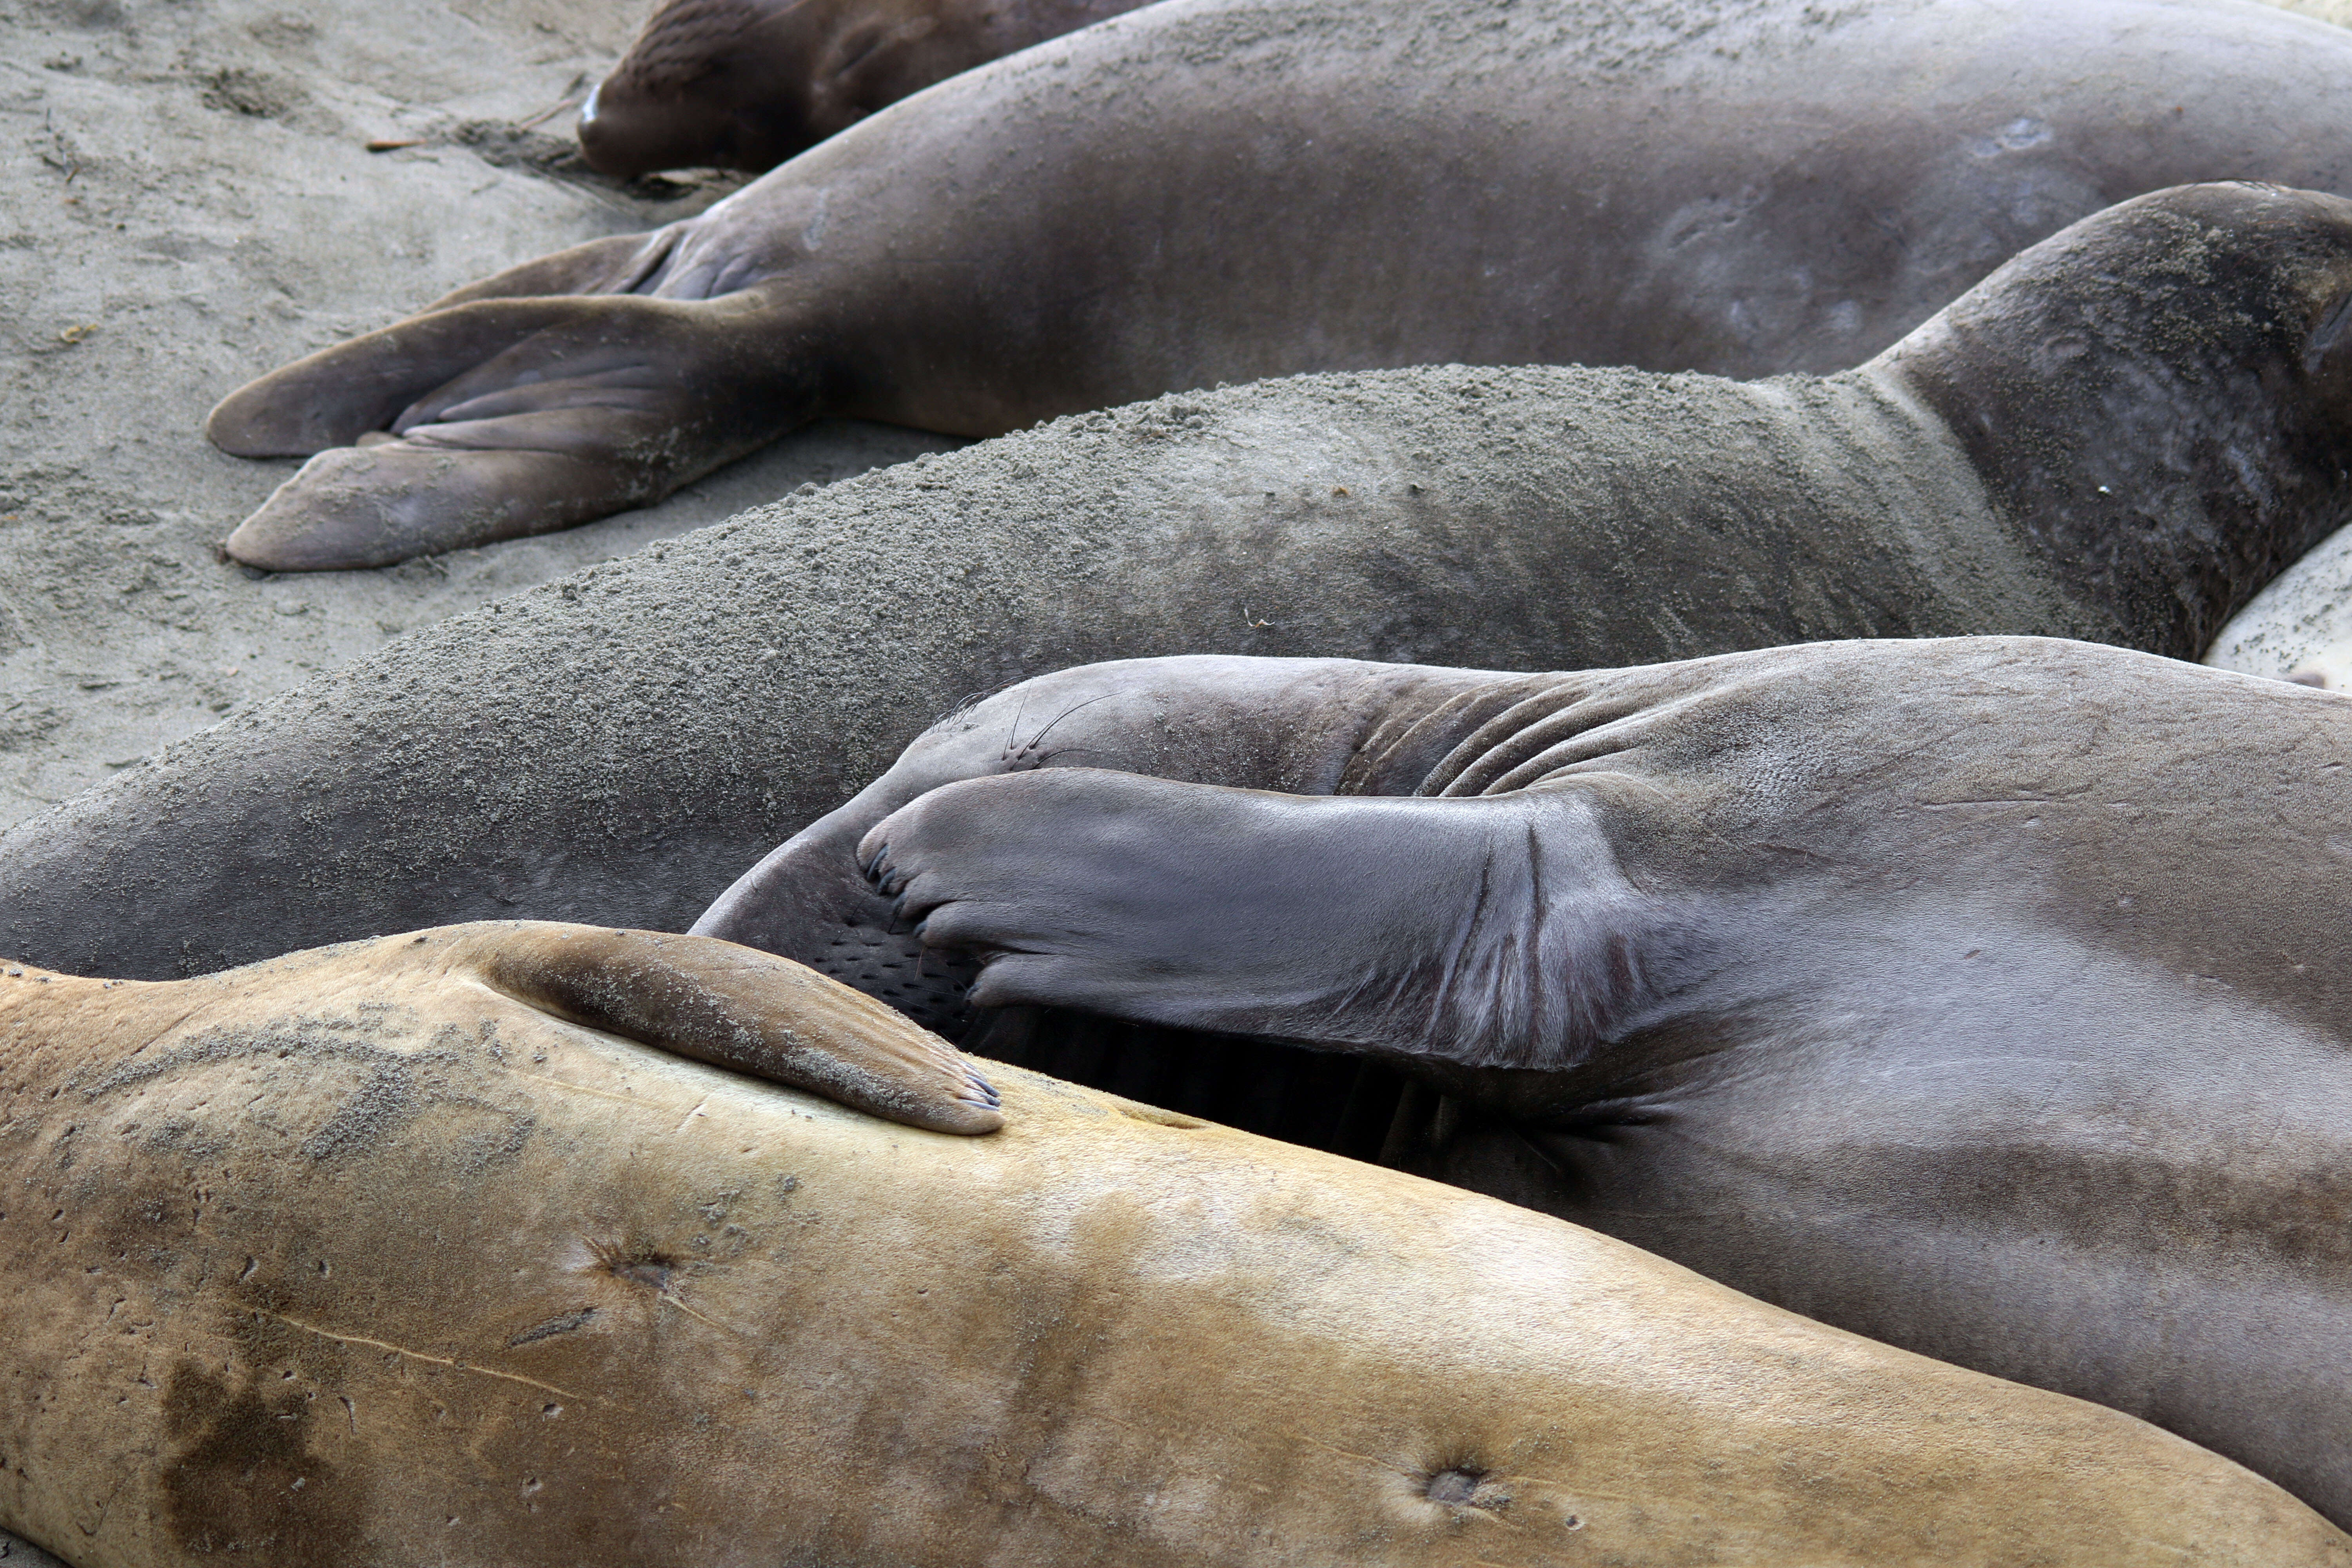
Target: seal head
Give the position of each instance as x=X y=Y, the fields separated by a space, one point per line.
x=746 y=84
x=2160 y=399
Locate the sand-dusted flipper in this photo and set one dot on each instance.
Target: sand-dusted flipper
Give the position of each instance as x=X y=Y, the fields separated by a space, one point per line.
x=735 y=1007
x=1485 y=931
x=496 y=419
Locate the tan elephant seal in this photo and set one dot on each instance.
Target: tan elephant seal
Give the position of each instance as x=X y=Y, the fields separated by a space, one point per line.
x=366 y=1256
x=1207 y=191
x=745 y=84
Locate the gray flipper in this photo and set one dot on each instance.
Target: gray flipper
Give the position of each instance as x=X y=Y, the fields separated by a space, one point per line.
x=1307 y=726
x=1304 y=725
x=1489 y=931
x=499 y=416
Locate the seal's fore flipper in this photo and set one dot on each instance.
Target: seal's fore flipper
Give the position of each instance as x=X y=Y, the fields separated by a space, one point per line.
x=498 y=418
x=734 y=1007
x=1490 y=931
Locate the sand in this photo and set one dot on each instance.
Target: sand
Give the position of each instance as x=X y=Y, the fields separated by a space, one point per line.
x=187 y=200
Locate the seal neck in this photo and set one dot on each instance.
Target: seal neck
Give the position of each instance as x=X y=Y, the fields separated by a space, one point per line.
x=2155 y=400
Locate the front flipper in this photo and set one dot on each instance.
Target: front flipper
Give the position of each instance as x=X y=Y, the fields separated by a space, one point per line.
x=729 y=1006
x=1307 y=725
x=1489 y=931
x=500 y=418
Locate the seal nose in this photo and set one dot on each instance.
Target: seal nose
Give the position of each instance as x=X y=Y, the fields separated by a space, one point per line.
x=604 y=140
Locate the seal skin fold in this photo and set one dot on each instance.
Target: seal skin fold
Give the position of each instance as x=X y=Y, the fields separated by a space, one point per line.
x=1986 y=996
x=745 y=84
x=1211 y=191
x=352 y=1259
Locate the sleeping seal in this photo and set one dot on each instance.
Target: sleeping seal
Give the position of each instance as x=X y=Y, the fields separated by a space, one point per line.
x=1224 y=190
x=369 y=1257
x=2120 y=435
x=1989 y=997
x=745 y=84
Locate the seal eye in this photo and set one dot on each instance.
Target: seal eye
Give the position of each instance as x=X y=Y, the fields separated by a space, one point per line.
x=2327 y=331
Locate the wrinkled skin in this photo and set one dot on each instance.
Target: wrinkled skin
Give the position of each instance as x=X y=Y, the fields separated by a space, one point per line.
x=745 y=84
x=1989 y=997
x=619 y=747
x=368 y=1256
x=1211 y=191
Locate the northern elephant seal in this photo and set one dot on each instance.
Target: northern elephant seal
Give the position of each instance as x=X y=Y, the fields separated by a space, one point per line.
x=1986 y=996
x=1224 y=190
x=357 y=1257
x=619 y=747
x=745 y=84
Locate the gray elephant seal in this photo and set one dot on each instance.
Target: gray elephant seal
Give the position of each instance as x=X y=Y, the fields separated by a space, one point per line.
x=371 y=1255
x=617 y=748
x=1178 y=197
x=1988 y=997
x=745 y=84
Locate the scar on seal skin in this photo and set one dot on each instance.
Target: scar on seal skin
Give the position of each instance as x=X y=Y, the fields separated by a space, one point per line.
x=1177 y=198
x=745 y=84
x=823 y=1337
x=1989 y=997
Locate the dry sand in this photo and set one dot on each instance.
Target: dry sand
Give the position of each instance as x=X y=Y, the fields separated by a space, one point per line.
x=187 y=200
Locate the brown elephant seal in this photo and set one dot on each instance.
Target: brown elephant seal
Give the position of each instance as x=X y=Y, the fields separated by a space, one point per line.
x=1985 y=996
x=1211 y=191
x=745 y=84
x=361 y=1257
x=2165 y=381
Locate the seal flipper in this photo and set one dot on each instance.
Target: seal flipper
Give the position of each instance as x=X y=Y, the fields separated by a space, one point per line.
x=508 y=418
x=734 y=1007
x=1488 y=931
x=617 y=264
